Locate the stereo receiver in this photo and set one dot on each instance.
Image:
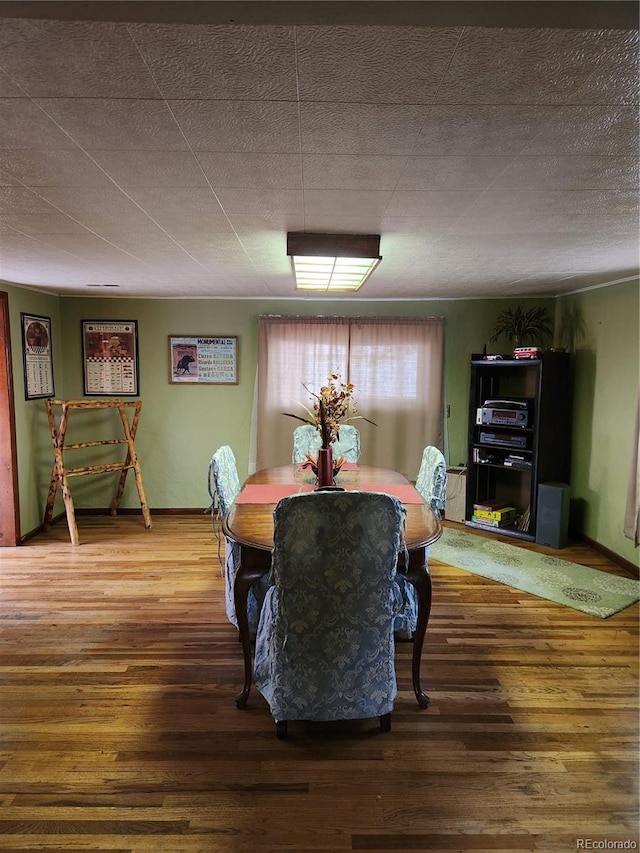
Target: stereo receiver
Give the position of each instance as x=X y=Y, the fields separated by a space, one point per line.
x=512 y=413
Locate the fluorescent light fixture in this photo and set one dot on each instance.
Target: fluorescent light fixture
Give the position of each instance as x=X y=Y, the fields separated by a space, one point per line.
x=327 y=263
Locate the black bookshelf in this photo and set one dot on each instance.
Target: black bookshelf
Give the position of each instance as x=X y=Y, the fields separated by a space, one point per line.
x=511 y=454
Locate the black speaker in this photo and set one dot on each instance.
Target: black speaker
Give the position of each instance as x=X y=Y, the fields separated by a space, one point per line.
x=552 y=519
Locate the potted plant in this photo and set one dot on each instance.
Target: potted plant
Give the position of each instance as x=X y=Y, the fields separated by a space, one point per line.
x=530 y=326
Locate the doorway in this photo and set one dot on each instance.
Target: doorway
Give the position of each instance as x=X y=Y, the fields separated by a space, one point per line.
x=9 y=508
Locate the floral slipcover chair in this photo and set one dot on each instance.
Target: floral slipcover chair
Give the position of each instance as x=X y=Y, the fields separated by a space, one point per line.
x=226 y=489
x=324 y=647
x=306 y=439
x=431 y=485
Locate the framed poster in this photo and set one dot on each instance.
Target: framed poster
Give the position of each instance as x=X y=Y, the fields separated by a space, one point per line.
x=37 y=356
x=203 y=359
x=110 y=358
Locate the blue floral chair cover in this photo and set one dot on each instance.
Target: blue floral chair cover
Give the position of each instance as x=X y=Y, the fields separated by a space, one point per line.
x=324 y=648
x=226 y=488
x=431 y=483
x=306 y=439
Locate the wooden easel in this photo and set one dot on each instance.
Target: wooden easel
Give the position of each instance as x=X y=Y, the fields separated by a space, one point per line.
x=61 y=474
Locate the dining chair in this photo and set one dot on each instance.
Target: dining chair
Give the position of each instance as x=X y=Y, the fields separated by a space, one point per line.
x=306 y=439
x=324 y=646
x=431 y=484
x=224 y=488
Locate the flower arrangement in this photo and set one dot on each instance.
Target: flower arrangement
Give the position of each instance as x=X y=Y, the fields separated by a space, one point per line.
x=331 y=407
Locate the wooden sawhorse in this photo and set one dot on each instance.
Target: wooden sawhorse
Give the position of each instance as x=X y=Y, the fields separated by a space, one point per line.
x=61 y=474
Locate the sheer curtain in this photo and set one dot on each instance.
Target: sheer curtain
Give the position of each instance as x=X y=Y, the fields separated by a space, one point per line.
x=293 y=352
x=396 y=365
x=632 y=514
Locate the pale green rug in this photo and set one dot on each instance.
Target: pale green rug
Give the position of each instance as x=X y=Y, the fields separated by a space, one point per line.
x=597 y=593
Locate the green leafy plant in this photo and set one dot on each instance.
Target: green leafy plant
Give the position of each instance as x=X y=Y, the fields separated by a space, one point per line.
x=572 y=327
x=523 y=327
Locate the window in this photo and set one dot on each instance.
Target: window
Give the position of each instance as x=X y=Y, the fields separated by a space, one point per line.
x=396 y=365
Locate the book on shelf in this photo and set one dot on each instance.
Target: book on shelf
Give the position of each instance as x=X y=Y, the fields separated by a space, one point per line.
x=490 y=504
x=493 y=522
x=495 y=514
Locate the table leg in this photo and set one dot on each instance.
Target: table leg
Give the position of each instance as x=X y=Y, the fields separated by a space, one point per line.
x=249 y=570
x=417 y=573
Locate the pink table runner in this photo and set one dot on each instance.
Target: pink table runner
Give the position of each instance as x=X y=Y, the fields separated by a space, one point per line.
x=267 y=493
x=264 y=493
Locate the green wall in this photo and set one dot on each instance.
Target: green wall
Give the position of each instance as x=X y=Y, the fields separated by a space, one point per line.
x=34 y=447
x=181 y=425
x=606 y=383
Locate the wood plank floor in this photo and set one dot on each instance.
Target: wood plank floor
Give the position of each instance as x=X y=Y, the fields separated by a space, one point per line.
x=118 y=730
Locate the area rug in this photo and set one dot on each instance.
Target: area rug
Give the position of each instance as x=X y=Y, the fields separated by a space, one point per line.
x=597 y=593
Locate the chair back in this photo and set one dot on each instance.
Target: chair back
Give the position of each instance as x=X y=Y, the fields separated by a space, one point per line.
x=226 y=484
x=324 y=647
x=306 y=439
x=431 y=482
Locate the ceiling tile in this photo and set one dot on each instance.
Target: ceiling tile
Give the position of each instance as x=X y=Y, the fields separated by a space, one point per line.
x=20 y=201
x=23 y=124
x=537 y=66
x=588 y=130
x=150 y=168
x=8 y=87
x=220 y=62
x=349 y=203
x=258 y=171
x=74 y=59
x=412 y=204
x=351 y=171
x=235 y=200
x=116 y=123
x=360 y=222
x=360 y=129
x=573 y=172
x=482 y=130
x=558 y=201
x=460 y=172
x=239 y=126
x=39 y=224
x=187 y=200
x=92 y=200
x=52 y=167
x=374 y=65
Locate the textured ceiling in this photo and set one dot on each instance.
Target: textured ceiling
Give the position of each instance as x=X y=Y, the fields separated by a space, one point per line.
x=142 y=155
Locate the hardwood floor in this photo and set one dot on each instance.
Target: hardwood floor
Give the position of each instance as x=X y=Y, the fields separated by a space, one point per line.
x=119 y=733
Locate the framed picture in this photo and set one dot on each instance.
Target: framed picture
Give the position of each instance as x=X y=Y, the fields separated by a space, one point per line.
x=203 y=359
x=110 y=358
x=37 y=356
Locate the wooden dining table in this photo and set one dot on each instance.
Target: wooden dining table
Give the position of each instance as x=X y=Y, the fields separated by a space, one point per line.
x=249 y=522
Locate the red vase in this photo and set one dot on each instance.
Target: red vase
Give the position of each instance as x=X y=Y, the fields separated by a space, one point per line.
x=325 y=467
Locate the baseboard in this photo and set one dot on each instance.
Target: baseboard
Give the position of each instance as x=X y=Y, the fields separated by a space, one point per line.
x=627 y=565
x=133 y=511
x=61 y=517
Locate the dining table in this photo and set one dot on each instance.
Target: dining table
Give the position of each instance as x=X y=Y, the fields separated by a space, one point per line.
x=249 y=522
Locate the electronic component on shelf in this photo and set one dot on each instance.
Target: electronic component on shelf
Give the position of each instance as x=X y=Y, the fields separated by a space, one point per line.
x=505 y=413
x=504 y=439
x=515 y=460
